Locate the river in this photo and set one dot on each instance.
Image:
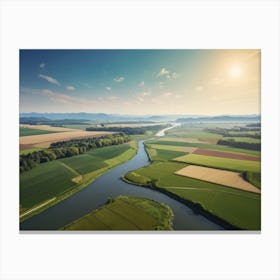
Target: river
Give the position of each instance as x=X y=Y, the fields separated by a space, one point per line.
x=110 y=185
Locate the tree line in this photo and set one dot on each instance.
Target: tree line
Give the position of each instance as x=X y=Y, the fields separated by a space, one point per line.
x=128 y=130
x=64 y=149
x=238 y=132
x=243 y=145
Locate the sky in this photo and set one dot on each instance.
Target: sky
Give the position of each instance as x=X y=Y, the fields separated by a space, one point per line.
x=141 y=82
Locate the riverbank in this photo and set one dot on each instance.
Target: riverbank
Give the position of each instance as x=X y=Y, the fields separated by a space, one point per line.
x=87 y=179
x=108 y=185
x=196 y=207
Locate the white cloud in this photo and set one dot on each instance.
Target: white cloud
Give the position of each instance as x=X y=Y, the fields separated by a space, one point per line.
x=108 y=88
x=64 y=98
x=42 y=65
x=49 y=79
x=163 y=72
x=119 y=79
x=167 y=74
x=70 y=88
x=141 y=84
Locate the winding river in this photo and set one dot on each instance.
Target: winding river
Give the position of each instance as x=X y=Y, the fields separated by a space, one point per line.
x=110 y=185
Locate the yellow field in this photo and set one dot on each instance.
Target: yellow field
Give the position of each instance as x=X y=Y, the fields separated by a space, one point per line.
x=44 y=140
x=46 y=127
x=174 y=148
x=222 y=177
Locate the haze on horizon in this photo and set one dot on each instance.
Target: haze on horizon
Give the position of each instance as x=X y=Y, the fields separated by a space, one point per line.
x=141 y=82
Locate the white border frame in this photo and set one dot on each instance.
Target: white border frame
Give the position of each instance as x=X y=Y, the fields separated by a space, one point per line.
x=139 y=24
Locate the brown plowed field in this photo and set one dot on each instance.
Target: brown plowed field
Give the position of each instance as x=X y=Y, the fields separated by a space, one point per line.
x=44 y=140
x=213 y=153
x=218 y=176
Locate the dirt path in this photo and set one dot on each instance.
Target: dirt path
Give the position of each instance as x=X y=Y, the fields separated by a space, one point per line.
x=38 y=207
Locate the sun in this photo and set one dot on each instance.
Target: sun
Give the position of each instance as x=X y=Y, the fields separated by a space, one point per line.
x=235 y=71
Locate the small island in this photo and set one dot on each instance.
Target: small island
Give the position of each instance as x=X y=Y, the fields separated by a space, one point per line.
x=126 y=213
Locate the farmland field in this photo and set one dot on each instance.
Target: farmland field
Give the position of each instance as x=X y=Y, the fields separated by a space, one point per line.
x=216 y=193
x=206 y=146
x=238 y=207
x=191 y=132
x=23 y=131
x=126 y=213
x=44 y=182
x=84 y=163
x=222 y=177
x=215 y=153
x=45 y=127
x=223 y=163
x=43 y=141
x=159 y=154
x=58 y=177
x=173 y=148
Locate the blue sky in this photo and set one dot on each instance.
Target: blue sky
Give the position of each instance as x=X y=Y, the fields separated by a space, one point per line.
x=208 y=82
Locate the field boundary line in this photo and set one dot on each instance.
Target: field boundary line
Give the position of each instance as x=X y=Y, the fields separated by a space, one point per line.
x=242 y=195
x=39 y=206
x=70 y=168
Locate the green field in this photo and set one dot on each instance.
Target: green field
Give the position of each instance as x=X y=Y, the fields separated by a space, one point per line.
x=126 y=213
x=156 y=153
x=58 y=177
x=222 y=163
x=84 y=163
x=109 y=152
x=206 y=146
x=23 y=131
x=240 y=208
x=44 y=182
x=191 y=132
x=167 y=147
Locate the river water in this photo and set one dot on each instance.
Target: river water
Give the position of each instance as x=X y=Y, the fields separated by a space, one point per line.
x=110 y=185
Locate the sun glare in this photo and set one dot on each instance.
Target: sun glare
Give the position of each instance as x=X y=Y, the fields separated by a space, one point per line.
x=235 y=71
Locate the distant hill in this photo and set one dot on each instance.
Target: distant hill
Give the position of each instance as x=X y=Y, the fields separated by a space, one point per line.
x=46 y=121
x=224 y=118
x=62 y=116
x=115 y=118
